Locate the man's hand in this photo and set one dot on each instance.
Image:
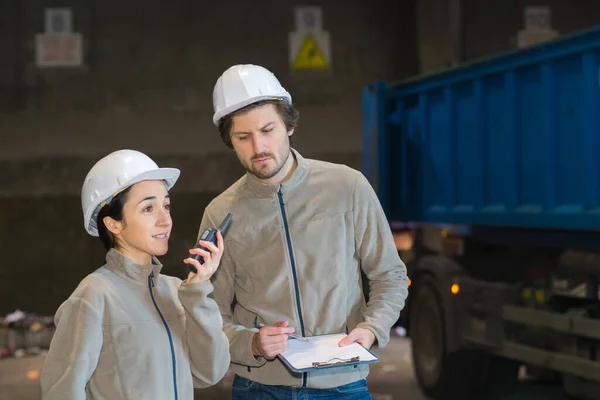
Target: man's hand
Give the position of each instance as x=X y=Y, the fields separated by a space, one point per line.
x=211 y=260
x=359 y=335
x=271 y=340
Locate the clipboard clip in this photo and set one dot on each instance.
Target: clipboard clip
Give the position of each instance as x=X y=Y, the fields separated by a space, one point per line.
x=331 y=362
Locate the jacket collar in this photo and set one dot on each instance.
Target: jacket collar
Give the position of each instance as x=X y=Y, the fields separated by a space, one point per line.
x=122 y=266
x=266 y=189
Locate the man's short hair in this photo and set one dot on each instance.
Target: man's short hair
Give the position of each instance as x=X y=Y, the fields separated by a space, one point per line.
x=286 y=110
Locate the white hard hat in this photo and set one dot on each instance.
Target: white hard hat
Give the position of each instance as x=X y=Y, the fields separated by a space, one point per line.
x=242 y=85
x=114 y=173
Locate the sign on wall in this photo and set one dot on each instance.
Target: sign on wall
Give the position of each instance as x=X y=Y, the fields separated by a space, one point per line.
x=309 y=44
x=538 y=27
x=58 y=45
x=58 y=20
x=537 y=18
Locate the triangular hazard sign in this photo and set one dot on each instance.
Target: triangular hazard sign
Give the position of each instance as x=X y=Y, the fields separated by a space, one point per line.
x=310 y=55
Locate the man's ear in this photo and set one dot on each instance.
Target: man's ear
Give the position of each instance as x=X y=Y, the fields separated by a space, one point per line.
x=291 y=132
x=115 y=227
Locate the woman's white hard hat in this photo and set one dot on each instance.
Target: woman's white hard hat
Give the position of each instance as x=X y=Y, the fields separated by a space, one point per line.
x=113 y=174
x=242 y=85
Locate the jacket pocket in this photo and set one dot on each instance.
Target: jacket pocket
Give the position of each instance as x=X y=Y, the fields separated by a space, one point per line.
x=259 y=255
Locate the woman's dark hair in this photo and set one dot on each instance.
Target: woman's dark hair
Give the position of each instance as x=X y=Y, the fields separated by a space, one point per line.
x=114 y=209
x=287 y=111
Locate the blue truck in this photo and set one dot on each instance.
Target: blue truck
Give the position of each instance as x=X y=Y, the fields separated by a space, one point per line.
x=494 y=169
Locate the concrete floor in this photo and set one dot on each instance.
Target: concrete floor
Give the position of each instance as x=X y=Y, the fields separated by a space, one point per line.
x=390 y=379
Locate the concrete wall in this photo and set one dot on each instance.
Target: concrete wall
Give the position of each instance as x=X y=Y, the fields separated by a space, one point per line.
x=151 y=67
x=488 y=27
x=147 y=84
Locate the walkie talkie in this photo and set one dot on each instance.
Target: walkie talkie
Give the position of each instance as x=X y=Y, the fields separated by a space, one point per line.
x=209 y=235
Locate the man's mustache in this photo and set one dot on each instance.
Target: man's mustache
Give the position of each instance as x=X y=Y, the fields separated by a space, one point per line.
x=262 y=155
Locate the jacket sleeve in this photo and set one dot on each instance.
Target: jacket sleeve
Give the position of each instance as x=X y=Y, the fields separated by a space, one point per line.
x=380 y=261
x=207 y=343
x=74 y=351
x=240 y=337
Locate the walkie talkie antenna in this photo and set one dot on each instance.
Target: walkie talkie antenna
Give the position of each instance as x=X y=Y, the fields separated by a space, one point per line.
x=225 y=224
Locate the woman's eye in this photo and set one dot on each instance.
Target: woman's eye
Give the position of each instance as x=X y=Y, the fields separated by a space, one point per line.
x=148 y=209
x=168 y=207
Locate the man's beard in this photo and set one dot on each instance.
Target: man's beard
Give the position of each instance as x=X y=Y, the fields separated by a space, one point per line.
x=262 y=173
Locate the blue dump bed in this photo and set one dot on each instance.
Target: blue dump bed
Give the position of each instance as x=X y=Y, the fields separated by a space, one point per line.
x=510 y=141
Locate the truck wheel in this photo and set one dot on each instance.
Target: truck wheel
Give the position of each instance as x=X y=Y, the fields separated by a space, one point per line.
x=433 y=368
x=462 y=375
x=427 y=337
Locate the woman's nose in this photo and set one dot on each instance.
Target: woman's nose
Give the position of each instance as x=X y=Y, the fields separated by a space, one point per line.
x=164 y=218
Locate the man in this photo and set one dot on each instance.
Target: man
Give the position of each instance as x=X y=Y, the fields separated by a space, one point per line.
x=301 y=232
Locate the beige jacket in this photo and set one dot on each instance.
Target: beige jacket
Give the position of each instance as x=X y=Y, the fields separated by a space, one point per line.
x=128 y=332
x=294 y=252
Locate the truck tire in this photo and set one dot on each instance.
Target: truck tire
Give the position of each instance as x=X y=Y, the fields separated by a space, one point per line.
x=433 y=369
x=462 y=375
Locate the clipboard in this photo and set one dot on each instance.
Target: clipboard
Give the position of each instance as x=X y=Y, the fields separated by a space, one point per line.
x=322 y=352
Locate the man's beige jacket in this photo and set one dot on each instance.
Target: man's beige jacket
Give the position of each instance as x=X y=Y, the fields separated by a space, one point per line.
x=294 y=252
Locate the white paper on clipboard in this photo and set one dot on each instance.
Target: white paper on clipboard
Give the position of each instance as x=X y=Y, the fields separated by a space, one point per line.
x=325 y=351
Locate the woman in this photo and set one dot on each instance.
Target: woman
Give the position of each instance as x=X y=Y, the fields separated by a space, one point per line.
x=127 y=331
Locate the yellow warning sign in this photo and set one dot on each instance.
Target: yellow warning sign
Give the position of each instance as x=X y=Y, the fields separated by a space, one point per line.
x=310 y=55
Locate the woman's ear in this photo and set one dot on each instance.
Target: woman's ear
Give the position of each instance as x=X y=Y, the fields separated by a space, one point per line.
x=115 y=227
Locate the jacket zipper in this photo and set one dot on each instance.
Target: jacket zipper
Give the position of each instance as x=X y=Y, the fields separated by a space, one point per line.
x=150 y=286
x=293 y=262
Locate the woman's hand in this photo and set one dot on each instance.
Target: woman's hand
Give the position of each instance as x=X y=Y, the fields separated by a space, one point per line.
x=211 y=260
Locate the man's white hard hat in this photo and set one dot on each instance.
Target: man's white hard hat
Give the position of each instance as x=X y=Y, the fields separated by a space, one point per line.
x=242 y=85
x=113 y=174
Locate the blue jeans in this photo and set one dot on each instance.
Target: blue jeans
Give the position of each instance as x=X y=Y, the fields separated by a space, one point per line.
x=244 y=389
